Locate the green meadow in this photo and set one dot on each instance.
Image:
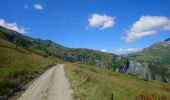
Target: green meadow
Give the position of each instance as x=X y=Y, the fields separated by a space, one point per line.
x=93 y=83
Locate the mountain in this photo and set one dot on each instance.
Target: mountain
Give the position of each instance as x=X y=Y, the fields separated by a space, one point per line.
x=167 y=39
x=22 y=58
x=47 y=48
x=128 y=65
x=157 y=56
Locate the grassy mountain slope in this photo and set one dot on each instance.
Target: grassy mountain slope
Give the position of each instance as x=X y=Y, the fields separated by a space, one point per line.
x=18 y=66
x=93 y=83
x=158 y=57
x=158 y=53
x=22 y=58
x=48 y=48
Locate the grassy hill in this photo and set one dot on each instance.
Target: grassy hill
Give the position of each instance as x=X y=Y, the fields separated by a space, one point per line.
x=49 y=48
x=22 y=58
x=158 y=53
x=158 y=57
x=18 y=66
x=93 y=83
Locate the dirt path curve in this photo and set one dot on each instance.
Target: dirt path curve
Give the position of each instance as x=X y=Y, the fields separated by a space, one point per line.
x=51 y=85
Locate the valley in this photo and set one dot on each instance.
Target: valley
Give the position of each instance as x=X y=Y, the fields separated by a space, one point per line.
x=92 y=74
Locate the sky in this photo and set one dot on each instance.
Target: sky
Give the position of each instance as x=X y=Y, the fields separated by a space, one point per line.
x=116 y=26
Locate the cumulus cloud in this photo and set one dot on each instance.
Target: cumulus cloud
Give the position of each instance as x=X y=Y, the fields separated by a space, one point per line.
x=167 y=27
x=127 y=50
x=38 y=6
x=12 y=26
x=103 y=50
x=146 y=26
x=101 y=21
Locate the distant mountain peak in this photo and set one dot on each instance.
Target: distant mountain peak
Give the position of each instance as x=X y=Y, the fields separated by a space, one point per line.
x=167 y=40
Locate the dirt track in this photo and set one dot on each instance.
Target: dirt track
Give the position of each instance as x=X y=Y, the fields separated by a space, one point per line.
x=51 y=85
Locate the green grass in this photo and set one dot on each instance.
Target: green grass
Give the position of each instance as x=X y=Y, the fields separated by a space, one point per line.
x=18 y=66
x=93 y=83
x=156 y=53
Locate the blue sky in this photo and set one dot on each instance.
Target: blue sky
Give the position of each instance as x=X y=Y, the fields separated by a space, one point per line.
x=117 y=26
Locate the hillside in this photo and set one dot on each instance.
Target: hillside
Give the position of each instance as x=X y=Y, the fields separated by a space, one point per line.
x=157 y=56
x=18 y=66
x=158 y=53
x=22 y=58
x=48 y=48
x=93 y=83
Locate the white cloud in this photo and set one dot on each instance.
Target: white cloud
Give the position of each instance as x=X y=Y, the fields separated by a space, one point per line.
x=38 y=6
x=146 y=26
x=167 y=27
x=103 y=50
x=101 y=21
x=12 y=26
x=127 y=50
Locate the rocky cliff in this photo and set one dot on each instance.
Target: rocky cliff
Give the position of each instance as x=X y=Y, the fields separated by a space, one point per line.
x=135 y=68
x=144 y=70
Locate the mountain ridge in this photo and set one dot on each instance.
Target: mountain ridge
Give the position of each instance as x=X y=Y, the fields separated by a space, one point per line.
x=168 y=39
x=109 y=61
x=157 y=56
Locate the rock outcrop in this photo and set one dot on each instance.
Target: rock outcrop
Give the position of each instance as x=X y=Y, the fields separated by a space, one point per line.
x=142 y=70
x=134 y=68
x=120 y=64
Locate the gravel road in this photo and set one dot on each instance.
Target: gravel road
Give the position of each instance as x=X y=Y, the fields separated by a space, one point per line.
x=51 y=85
